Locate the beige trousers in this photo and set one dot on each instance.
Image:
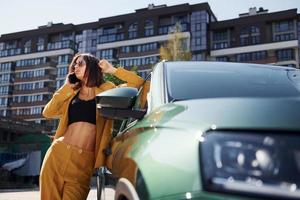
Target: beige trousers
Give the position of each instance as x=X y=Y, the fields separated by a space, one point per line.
x=66 y=172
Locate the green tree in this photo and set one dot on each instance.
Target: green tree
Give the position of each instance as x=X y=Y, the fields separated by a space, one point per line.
x=116 y=80
x=175 y=49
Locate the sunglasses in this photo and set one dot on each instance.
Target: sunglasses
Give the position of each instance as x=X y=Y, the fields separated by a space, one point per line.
x=80 y=63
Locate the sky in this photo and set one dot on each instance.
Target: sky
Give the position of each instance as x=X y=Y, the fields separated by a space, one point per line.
x=21 y=15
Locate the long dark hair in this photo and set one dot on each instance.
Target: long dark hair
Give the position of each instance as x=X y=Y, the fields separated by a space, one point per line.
x=93 y=73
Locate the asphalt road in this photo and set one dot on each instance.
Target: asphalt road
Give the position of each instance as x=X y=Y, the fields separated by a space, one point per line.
x=33 y=194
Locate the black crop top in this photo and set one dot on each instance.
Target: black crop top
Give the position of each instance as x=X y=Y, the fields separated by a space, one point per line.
x=82 y=111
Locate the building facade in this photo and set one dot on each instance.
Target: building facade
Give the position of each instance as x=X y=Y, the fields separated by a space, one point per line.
x=34 y=63
x=257 y=37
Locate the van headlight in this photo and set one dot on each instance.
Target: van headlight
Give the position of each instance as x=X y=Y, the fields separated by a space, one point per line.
x=259 y=164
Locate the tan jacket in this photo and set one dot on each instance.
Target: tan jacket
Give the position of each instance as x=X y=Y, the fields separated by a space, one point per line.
x=58 y=106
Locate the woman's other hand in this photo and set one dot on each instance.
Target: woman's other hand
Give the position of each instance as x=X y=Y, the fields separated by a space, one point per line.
x=106 y=67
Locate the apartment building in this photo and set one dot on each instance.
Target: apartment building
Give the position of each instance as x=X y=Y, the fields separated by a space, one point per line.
x=135 y=39
x=257 y=37
x=31 y=64
x=34 y=63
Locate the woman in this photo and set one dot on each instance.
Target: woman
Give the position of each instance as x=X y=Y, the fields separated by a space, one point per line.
x=82 y=134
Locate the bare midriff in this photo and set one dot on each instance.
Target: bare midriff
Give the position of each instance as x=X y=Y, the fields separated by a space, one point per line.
x=81 y=135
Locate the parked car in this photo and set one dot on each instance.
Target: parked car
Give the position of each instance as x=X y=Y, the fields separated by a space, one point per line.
x=211 y=130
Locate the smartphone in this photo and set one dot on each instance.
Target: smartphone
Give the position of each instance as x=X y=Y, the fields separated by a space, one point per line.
x=73 y=79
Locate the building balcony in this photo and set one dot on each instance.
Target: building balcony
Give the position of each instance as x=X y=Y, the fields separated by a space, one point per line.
x=111 y=38
x=139 y=41
x=166 y=29
x=29 y=104
x=50 y=65
x=254 y=48
x=54 y=50
x=66 y=44
x=268 y=60
x=10 y=52
x=32 y=79
x=138 y=54
x=40 y=90
x=27 y=117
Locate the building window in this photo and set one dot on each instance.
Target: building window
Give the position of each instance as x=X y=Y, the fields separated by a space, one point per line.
x=284 y=31
x=27 y=46
x=284 y=37
x=59 y=83
x=68 y=36
x=3 y=113
x=285 y=54
x=110 y=34
x=199 y=57
x=140 y=48
x=40 y=47
x=220 y=36
x=198 y=41
x=198 y=26
x=139 y=61
x=62 y=71
x=40 y=44
x=61 y=45
x=79 y=44
x=11 y=45
x=5 y=78
x=149 y=28
x=31 y=74
x=284 y=26
x=220 y=39
x=250 y=35
x=5 y=67
x=2 y=45
x=220 y=45
x=162 y=30
x=78 y=37
x=180 y=19
x=109 y=30
x=29 y=62
x=107 y=54
x=9 y=49
x=4 y=90
x=132 y=30
x=28 y=99
x=29 y=86
x=3 y=101
x=63 y=59
x=28 y=111
x=94 y=42
x=36 y=110
x=10 y=52
x=247 y=57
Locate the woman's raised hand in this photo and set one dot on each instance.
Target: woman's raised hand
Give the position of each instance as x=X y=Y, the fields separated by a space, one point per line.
x=106 y=67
